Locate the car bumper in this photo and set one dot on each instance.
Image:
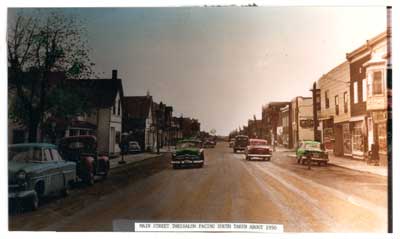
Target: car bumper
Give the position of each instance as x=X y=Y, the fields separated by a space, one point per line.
x=20 y=194
x=187 y=161
x=259 y=155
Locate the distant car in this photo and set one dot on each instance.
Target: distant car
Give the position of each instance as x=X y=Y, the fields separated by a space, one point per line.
x=241 y=142
x=134 y=147
x=208 y=144
x=258 y=148
x=83 y=151
x=231 y=143
x=188 y=153
x=36 y=170
x=310 y=151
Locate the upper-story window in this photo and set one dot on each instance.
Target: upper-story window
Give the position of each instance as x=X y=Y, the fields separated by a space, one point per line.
x=364 y=90
x=337 y=105
x=355 y=91
x=113 y=109
x=327 y=99
x=377 y=83
x=345 y=102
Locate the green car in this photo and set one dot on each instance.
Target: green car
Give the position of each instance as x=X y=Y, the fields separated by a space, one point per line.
x=310 y=151
x=188 y=153
x=36 y=170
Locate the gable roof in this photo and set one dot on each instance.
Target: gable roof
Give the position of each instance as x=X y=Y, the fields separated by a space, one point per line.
x=101 y=92
x=137 y=106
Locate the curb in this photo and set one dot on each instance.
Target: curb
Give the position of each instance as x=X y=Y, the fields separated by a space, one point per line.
x=358 y=170
x=130 y=164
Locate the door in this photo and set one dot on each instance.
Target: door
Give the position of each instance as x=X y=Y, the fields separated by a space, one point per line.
x=346 y=139
x=55 y=173
x=339 y=140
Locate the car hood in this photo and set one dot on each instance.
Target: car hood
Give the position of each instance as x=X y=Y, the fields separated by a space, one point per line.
x=189 y=151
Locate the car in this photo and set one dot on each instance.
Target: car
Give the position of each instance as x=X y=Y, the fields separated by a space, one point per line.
x=134 y=147
x=311 y=151
x=208 y=144
x=36 y=170
x=231 y=143
x=83 y=151
x=241 y=142
x=258 y=148
x=188 y=153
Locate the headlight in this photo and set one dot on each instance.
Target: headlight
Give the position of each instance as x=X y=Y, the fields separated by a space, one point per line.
x=21 y=176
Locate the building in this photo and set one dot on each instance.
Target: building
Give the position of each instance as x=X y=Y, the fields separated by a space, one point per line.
x=286 y=116
x=302 y=119
x=334 y=110
x=377 y=95
x=270 y=119
x=105 y=121
x=139 y=121
x=254 y=128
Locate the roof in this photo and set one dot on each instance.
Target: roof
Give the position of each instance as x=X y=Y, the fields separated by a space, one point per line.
x=365 y=47
x=101 y=92
x=38 y=145
x=137 y=106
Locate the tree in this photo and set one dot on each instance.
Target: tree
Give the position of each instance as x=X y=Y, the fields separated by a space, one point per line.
x=39 y=45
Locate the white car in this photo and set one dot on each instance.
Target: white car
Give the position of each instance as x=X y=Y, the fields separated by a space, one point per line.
x=134 y=147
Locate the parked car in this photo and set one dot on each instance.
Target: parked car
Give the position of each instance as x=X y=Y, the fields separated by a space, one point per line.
x=83 y=151
x=241 y=142
x=311 y=151
x=188 y=153
x=231 y=143
x=134 y=147
x=208 y=144
x=258 y=148
x=36 y=170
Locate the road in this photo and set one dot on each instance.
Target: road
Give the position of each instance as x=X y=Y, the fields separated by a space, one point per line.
x=227 y=189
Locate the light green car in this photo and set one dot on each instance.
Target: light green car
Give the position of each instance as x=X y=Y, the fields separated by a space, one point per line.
x=310 y=151
x=36 y=170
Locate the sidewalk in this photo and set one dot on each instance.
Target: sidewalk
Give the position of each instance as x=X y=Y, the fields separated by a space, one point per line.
x=133 y=158
x=357 y=165
x=352 y=164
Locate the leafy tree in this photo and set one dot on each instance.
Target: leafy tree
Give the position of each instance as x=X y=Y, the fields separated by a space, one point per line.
x=41 y=43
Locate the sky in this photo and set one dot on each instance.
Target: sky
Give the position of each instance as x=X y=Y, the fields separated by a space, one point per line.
x=221 y=65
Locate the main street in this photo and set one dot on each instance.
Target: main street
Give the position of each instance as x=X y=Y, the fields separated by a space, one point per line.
x=227 y=189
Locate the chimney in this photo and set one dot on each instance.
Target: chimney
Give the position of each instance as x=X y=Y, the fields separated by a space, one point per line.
x=114 y=74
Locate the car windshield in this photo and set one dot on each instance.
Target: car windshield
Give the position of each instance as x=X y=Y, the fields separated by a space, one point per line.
x=258 y=142
x=191 y=144
x=133 y=143
x=31 y=154
x=312 y=146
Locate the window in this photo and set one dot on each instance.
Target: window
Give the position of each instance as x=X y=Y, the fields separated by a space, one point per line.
x=377 y=83
x=355 y=90
x=337 y=105
x=358 y=142
x=113 y=109
x=73 y=132
x=345 y=102
x=382 y=140
x=56 y=155
x=327 y=99
x=364 y=90
x=306 y=123
x=47 y=156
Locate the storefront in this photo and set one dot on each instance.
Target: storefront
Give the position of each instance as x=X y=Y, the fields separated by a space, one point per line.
x=328 y=136
x=359 y=137
x=377 y=123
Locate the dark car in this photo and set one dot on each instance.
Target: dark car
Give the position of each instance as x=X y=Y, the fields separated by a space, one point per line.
x=83 y=151
x=188 y=152
x=208 y=144
x=36 y=170
x=241 y=142
x=258 y=148
x=311 y=151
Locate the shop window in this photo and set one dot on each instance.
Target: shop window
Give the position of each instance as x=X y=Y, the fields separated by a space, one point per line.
x=307 y=123
x=377 y=84
x=358 y=142
x=382 y=137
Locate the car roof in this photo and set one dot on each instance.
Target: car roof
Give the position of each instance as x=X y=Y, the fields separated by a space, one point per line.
x=37 y=145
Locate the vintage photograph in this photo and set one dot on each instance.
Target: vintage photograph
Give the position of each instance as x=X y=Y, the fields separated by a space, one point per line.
x=269 y=115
